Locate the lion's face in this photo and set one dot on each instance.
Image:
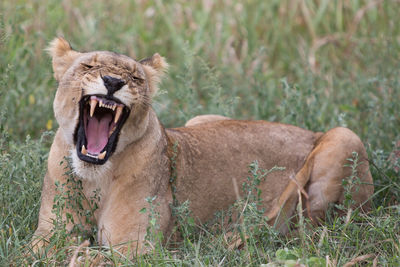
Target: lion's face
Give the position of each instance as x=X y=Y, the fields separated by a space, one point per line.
x=105 y=97
x=102 y=99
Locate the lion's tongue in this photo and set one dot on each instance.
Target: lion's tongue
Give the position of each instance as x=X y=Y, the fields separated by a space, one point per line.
x=97 y=133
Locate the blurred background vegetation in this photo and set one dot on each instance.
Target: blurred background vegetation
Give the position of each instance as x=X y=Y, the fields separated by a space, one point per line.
x=313 y=63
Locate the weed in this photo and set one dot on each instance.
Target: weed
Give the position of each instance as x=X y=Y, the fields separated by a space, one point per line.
x=154 y=236
x=78 y=209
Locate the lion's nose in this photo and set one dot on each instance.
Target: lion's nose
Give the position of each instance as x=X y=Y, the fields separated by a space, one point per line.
x=112 y=84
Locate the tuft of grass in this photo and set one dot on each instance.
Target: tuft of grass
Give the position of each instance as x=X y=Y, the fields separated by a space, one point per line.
x=313 y=63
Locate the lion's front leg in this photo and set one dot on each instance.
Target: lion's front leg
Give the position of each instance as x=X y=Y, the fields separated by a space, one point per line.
x=58 y=211
x=56 y=202
x=126 y=218
x=49 y=213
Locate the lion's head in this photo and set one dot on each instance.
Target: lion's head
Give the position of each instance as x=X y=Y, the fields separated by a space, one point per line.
x=102 y=99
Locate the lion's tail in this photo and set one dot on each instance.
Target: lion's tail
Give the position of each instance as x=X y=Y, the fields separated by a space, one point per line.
x=280 y=214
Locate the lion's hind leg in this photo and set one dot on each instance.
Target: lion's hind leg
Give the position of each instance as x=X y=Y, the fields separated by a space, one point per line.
x=332 y=166
x=322 y=178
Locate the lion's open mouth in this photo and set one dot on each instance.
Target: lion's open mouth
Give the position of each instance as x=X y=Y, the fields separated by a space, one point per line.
x=100 y=121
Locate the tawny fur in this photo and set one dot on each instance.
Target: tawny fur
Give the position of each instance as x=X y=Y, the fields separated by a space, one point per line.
x=205 y=118
x=212 y=154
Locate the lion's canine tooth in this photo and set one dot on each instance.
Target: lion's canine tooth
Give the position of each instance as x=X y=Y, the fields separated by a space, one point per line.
x=102 y=155
x=111 y=132
x=118 y=114
x=113 y=107
x=84 y=151
x=93 y=104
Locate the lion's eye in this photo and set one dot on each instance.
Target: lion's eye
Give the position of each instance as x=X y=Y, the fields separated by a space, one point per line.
x=87 y=66
x=138 y=80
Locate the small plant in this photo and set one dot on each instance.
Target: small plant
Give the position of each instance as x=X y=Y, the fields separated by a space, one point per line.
x=154 y=236
x=71 y=206
x=252 y=224
x=293 y=257
x=185 y=223
x=350 y=185
x=252 y=212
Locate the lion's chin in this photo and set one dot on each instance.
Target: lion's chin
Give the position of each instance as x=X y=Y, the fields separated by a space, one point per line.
x=89 y=171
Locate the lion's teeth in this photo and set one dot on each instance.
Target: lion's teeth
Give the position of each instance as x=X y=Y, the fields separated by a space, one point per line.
x=102 y=155
x=118 y=114
x=93 y=104
x=111 y=132
x=84 y=151
x=94 y=101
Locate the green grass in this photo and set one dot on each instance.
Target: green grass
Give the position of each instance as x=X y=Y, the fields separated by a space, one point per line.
x=316 y=64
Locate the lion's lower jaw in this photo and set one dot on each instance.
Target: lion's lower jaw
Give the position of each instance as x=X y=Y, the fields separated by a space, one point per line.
x=87 y=171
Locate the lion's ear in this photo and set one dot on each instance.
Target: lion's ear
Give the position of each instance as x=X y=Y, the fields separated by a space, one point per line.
x=155 y=68
x=62 y=56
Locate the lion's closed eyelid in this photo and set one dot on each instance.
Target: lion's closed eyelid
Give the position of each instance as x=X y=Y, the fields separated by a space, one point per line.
x=137 y=79
x=87 y=65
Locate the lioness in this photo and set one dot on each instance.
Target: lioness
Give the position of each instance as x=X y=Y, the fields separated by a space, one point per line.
x=116 y=143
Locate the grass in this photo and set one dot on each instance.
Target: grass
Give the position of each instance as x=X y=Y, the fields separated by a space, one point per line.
x=316 y=64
